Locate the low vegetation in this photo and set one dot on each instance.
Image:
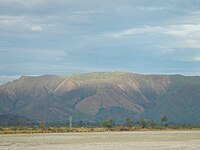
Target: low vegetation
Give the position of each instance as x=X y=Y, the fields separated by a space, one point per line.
x=105 y=126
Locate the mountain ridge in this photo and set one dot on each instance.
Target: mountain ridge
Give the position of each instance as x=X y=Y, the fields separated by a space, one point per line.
x=103 y=95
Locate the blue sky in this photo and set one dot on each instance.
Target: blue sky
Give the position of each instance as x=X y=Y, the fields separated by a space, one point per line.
x=73 y=36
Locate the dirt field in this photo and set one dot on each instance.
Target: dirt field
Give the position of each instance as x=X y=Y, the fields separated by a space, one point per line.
x=151 y=140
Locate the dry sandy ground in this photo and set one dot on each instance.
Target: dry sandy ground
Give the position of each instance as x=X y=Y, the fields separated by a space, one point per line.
x=151 y=140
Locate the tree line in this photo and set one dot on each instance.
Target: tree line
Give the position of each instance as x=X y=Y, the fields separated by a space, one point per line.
x=143 y=123
x=130 y=124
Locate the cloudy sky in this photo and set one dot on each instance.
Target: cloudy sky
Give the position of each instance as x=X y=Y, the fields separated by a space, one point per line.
x=75 y=36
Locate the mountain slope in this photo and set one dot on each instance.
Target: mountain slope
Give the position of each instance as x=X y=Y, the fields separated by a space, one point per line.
x=103 y=95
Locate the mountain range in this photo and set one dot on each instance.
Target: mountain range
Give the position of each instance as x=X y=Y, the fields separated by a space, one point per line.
x=93 y=97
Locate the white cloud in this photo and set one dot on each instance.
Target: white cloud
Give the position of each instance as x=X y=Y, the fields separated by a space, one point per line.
x=33 y=3
x=151 y=8
x=197 y=58
x=175 y=30
x=135 y=31
x=5 y=79
x=191 y=30
x=87 y=12
x=8 y=20
x=25 y=24
x=36 y=28
x=193 y=18
x=187 y=35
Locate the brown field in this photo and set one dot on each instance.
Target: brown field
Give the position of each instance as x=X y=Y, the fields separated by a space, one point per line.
x=154 y=140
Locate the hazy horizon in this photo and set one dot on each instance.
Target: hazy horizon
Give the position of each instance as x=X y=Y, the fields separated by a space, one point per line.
x=6 y=79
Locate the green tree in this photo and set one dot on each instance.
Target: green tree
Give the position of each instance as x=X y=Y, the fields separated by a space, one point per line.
x=150 y=124
x=80 y=123
x=142 y=122
x=107 y=123
x=42 y=125
x=129 y=122
x=164 y=120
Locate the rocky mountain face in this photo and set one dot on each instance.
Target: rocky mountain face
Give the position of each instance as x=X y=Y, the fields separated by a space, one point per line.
x=105 y=95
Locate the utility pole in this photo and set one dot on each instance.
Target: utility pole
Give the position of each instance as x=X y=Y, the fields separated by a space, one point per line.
x=70 y=122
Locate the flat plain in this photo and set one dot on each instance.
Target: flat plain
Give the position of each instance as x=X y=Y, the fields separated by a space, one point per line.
x=140 y=140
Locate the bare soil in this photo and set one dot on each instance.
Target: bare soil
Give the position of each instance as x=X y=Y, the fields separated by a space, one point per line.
x=142 y=140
